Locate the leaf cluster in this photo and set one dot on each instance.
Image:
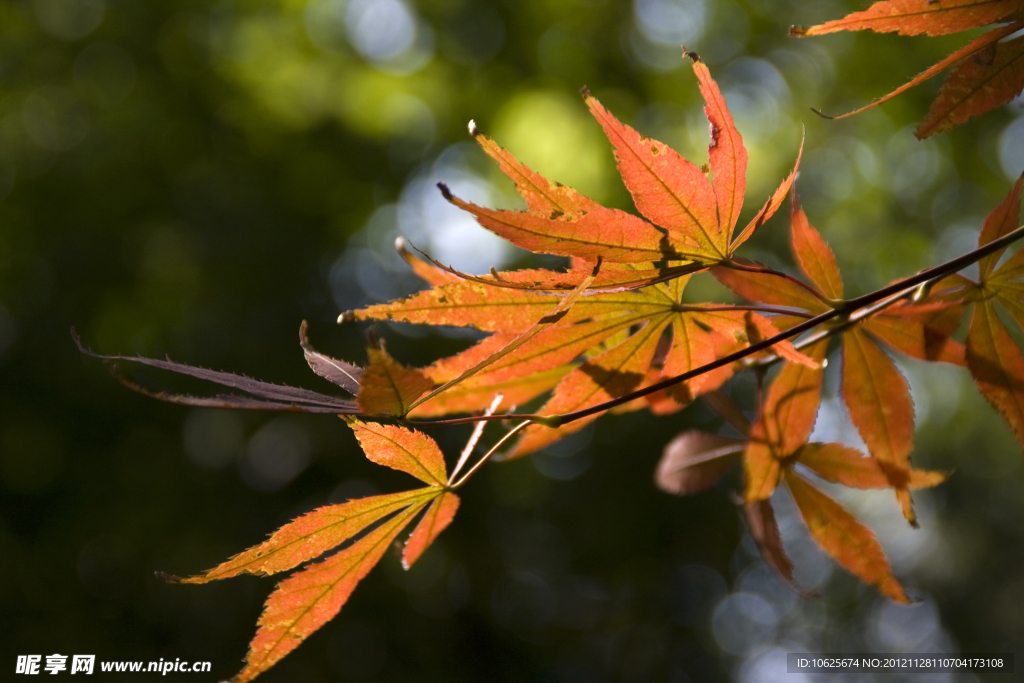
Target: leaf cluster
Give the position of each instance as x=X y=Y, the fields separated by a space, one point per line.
x=613 y=332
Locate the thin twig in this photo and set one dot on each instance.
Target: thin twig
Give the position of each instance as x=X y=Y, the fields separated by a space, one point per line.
x=519 y=427
x=843 y=326
x=849 y=307
x=951 y=266
x=474 y=437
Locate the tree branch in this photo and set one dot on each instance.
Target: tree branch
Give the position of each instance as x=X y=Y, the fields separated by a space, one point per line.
x=892 y=293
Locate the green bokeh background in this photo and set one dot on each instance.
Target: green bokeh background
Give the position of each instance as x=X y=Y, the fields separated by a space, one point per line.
x=194 y=179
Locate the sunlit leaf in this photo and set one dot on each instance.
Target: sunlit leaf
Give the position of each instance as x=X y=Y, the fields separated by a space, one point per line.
x=1003 y=219
x=878 y=398
x=666 y=188
x=849 y=542
x=913 y=17
x=787 y=418
x=975 y=87
x=813 y=253
x=841 y=464
x=402 y=449
x=312 y=535
x=308 y=599
x=437 y=517
x=997 y=365
x=388 y=387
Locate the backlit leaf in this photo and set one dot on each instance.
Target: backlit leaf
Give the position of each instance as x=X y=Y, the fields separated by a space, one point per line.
x=308 y=599
x=312 y=534
x=389 y=388
x=787 y=418
x=925 y=338
x=427 y=272
x=841 y=464
x=493 y=308
x=773 y=203
x=726 y=153
x=913 y=17
x=551 y=319
x=666 y=188
x=975 y=87
x=997 y=365
x=474 y=396
x=402 y=449
x=813 y=254
x=692 y=347
x=613 y=373
x=768 y=289
x=437 y=517
x=878 y=398
x=849 y=542
x=540 y=194
x=609 y=233
x=1003 y=219
x=982 y=44
x=765 y=532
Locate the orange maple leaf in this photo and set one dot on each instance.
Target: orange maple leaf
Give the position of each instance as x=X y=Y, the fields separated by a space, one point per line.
x=689 y=216
x=873 y=388
x=312 y=596
x=988 y=72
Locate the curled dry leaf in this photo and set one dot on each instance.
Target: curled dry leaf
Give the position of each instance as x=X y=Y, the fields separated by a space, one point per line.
x=694 y=461
x=262 y=395
x=345 y=375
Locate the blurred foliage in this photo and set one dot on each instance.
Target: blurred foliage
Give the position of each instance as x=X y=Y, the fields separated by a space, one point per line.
x=194 y=178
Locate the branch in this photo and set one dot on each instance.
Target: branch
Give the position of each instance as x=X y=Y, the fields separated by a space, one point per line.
x=845 y=308
x=886 y=295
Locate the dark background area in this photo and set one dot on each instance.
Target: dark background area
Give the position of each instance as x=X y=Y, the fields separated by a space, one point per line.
x=194 y=179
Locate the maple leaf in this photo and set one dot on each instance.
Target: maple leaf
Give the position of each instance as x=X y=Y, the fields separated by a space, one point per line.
x=388 y=387
x=839 y=534
x=589 y=323
x=778 y=444
x=695 y=217
x=689 y=216
x=261 y=395
x=993 y=358
x=312 y=596
x=873 y=388
x=695 y=460
x=988 y=72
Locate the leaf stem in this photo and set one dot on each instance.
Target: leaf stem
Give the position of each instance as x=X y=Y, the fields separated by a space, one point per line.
x=519 y=427
x=852 y=320
x=758 y=268
x=474 y=437
x=778 y=310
